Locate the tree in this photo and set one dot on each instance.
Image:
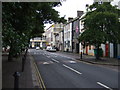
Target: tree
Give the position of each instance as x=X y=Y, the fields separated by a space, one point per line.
x=101 y=24
x=22 y=21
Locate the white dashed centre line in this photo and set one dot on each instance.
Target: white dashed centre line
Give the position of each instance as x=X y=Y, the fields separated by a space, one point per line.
x=55 y=60
x=104 y=86
x=72 y=69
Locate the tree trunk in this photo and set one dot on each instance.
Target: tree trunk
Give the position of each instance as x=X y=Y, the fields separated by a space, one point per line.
x=10 y=56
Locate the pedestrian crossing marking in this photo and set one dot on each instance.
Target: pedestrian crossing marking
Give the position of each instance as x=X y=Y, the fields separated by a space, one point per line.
x=45 y=63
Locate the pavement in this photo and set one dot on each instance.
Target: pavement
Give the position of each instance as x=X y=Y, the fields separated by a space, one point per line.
x=28 y=79
x=91 y=59
x=9 y=68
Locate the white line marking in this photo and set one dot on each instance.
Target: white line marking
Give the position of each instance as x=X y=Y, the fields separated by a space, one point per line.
x=104 y=86
x=72 y=69
x=45 y=63
x=72 y=61
x=55 y=60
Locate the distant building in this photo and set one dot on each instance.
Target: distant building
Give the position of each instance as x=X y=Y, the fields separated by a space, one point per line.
x=68 y=35
x=75 y=35
x=71 y=34
x=76 y=32
x=61 y=40
x=38 y=42
x=119 y=5
x=53 y=33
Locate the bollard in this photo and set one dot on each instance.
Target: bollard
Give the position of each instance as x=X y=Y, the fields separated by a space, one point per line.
x=81 y=55
x=16 y=80
x=23 y=63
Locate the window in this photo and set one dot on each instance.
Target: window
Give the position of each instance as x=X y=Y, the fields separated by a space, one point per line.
x=68 y=43
x=65 y=43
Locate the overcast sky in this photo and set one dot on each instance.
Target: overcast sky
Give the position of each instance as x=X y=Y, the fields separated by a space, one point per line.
x=69 y=8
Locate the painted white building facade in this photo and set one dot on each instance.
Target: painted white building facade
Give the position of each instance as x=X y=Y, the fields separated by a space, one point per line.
x=61 y=40
x=52 y=34
x=68 y=37
x=81 y=31
x=38 y=42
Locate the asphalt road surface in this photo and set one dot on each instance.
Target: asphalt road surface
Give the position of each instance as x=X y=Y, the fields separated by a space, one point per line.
x=61 y=71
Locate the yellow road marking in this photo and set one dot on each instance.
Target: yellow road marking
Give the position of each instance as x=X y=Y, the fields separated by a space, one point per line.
x=38 y=77
x=34 y=70
x=42 y=85
x=40 y=80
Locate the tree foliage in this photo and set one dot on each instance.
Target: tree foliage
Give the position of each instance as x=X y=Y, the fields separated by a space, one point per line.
x=25 y=20
x=101 y=24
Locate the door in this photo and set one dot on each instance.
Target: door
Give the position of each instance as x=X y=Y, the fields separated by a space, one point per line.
x=115 y=50
x=106 y=50
x=77 y=48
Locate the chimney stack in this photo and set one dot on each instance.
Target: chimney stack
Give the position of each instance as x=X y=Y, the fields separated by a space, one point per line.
x=70 y=19
x=79 y=13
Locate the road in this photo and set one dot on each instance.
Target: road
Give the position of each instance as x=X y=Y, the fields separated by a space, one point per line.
x=61 y=71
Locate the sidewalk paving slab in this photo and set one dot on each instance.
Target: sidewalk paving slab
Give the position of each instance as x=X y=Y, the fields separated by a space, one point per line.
x=9 y=68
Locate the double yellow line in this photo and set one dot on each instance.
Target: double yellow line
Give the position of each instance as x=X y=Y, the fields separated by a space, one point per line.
x=39 y=78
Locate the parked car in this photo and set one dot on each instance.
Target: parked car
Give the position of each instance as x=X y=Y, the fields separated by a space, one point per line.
x=51 y=49
x=48 y=48
x=37 y=48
